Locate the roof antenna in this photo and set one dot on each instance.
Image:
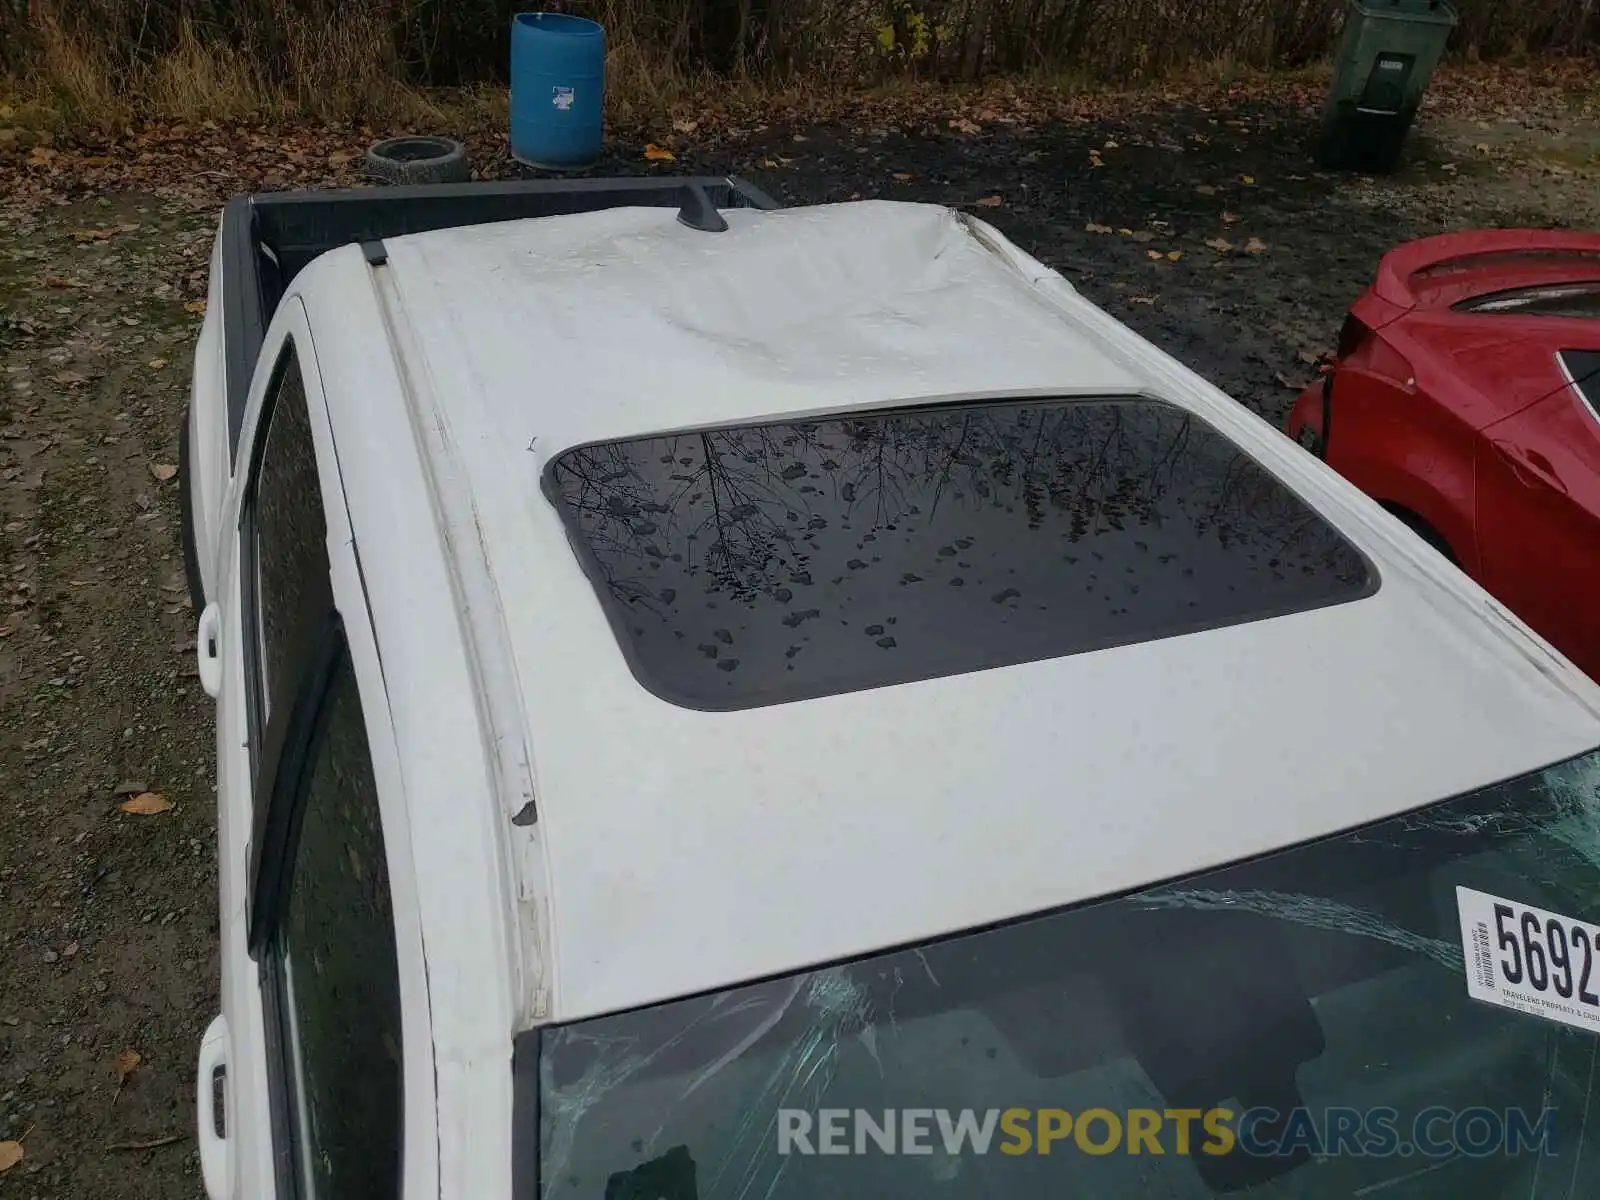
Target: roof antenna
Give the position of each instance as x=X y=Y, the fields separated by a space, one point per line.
x=698 y=212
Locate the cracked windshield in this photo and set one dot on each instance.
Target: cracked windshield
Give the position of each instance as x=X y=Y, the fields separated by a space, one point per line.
x=1296 y=1026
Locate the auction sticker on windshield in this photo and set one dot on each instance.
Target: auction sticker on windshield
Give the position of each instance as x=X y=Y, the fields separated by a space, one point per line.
x=1530 y=960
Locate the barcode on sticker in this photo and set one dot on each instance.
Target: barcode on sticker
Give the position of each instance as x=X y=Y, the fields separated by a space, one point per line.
x=1480 y=956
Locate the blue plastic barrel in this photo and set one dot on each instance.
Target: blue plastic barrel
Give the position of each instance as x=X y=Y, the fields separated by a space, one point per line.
x=558 y=80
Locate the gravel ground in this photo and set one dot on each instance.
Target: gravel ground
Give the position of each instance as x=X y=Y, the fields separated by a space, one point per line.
x=1207 y=231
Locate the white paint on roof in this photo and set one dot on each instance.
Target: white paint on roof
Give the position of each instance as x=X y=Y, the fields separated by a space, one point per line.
x=624 y=322
x=688 y=850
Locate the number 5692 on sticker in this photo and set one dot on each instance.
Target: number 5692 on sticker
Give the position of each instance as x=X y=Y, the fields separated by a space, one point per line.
x=1530 y=960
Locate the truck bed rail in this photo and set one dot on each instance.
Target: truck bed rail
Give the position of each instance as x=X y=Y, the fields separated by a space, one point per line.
x=268 y=239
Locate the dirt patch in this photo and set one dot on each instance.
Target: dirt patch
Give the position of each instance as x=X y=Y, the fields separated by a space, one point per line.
x=107 y=920
x=1206 y=229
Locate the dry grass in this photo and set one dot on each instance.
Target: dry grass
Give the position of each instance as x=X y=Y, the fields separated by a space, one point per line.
x=197 y=79
x=337 y=71
x=107 y=63
x=74 y=73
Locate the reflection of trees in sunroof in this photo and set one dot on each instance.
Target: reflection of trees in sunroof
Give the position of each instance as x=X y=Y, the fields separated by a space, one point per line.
x=751 y=565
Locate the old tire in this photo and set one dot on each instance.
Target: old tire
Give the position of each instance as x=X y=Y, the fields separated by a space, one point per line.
x=418 y=160
x=191 y=554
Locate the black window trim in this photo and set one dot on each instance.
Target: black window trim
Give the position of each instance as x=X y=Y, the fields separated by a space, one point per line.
x=281 y=833
x=616 y=617
x=1580 y=384
x=249 y=595
x=281 y=752
x=269 y=741
x=277 y=826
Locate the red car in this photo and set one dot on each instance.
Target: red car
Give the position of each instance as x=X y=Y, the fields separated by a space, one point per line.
x=1466 y=398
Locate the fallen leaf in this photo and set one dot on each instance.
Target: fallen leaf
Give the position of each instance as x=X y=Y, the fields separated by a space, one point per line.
x=58 y=281
x=338 y=158
x=768 y=164
x=147 y=804
x=1142 y=299
x=988 y=202
x=1091 y=227
x=1254 y=246
x=1482 y=147
x=102 y=234
x=163 y=471
x=69 y=377
x=655 y=153
x=685 y=126
x=1229 y=218
x=1174 y=255
x=1095 y=160
x=195 y=306
x=10 y=1155
x=1310 y=357
x=157 y=363
x=123 y=1067
x=42 y=156
x=963 y=125
x=1248 y=180
x=1125 y=231
x=1220 y=245
x=1154 y=254
x=1205 y=189
x=1291 y=384
x=902 y=176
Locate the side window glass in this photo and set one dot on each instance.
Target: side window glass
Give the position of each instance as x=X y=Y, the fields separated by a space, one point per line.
x=335 y=946
x=286 y=535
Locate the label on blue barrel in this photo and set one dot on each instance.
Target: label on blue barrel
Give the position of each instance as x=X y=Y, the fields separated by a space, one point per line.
x=561 y=97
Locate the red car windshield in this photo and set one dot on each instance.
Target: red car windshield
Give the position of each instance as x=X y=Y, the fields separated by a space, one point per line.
x=1308 y=1024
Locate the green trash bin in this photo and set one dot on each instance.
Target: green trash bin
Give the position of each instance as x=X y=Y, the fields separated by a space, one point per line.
x=1386 y=56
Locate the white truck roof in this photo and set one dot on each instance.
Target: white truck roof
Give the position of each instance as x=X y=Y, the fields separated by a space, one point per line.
x=678 y=850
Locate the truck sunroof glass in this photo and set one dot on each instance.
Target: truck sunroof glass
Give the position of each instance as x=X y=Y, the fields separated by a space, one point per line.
x=767 y=563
